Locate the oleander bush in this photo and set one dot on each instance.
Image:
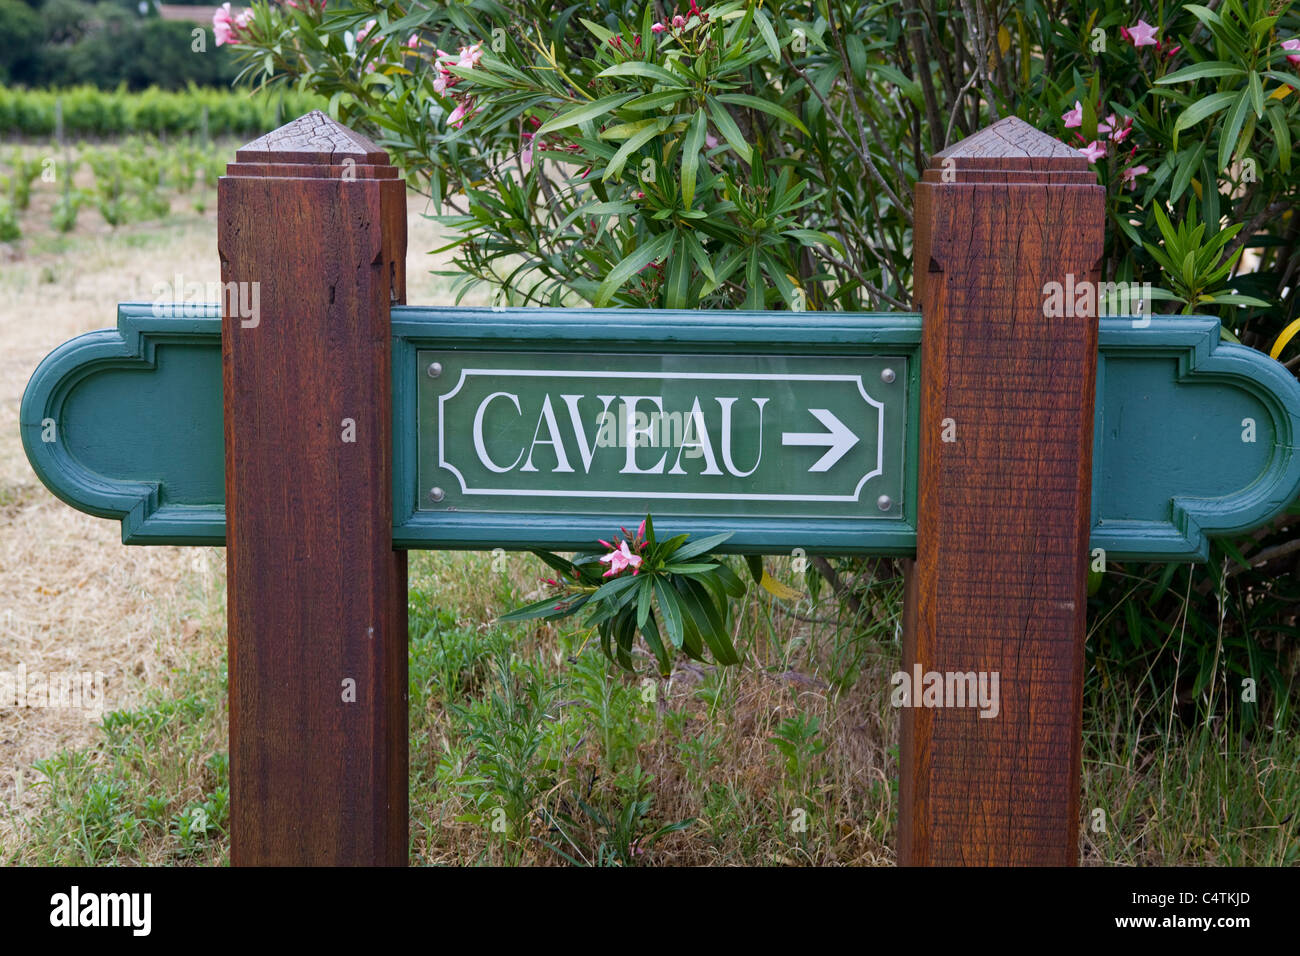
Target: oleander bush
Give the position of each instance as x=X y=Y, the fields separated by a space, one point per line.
x=763 y=156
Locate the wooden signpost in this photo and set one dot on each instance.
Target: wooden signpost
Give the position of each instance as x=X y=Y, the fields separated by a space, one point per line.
x=322 y=433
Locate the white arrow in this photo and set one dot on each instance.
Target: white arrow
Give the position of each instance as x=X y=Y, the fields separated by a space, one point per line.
x=839 y=438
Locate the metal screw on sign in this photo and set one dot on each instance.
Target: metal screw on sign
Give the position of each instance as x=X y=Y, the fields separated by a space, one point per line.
x=884 y=502
x=435 y=369
x=887 y=375
x=437 y=494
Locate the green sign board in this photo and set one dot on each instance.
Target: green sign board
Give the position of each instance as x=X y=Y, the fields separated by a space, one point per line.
x=693 y=434
x=539 y=427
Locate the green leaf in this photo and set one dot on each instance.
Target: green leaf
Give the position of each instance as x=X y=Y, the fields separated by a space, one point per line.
x=677 y=285
x=1233 y=298
x=1199 y=70
x=700 y=545
x=653 y=101
x=700 y=256
x=596 y=209
x=647 y=71
x=755 y=564
x=691 y=156
x=764 y=106
x=624 y=631
x=809 y=237
x=1191 y=159
x=480 y=77
x=597 y=30
x=650 y=631
x=634 y=262
x=1281 y=136
x=634 y=142
x=583 y=113
x=644 y=592
x=614 y=587
x=543 y=608
x=624 y=130
x=708 y=622
x=556 y=562
x=671 y=611
x=754 y=300
x=605 y=641
x=769 y=35
x=730 y=582
x=911 y=88
x=1188 y=271
x=1232 y=131
x=1205 y=15
x=669 y=548
x=1256 y=94
x=1202 y=109
x=729 y=130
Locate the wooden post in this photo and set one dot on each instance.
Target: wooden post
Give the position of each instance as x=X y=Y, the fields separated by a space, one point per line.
x=312 y=237
x=999 y=581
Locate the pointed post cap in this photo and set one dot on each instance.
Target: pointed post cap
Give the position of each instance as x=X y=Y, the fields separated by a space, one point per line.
x=312 y=146
x=1010 y=151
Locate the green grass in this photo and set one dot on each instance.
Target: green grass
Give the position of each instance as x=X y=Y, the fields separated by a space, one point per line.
x=527 y=747
x=154 y=791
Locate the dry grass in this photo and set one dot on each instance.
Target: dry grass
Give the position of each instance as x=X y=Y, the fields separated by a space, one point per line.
x=705 y=741
x=72 y=597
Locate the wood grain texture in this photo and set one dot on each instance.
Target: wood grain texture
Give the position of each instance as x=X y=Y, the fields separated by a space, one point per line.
x=999 y=581
x=316 y=593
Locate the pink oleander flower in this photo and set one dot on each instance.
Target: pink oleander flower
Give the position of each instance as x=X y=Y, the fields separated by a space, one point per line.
x=1131 y=174
x=466 y=59
x=620 y=559
x=222 y=31
x=463 y=111
x=1142 y=34
x=365 y=31
x=243 y=20
x=658 y=28
x=1116 y=130
x=1292 y=44
x=413 y=41
x=1073 y=118
x=469 y=56
x=679 y=21
x=1093 y=151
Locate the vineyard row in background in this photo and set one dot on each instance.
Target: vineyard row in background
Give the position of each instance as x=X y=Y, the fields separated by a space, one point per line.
x=131 y=180
x=85 y=111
